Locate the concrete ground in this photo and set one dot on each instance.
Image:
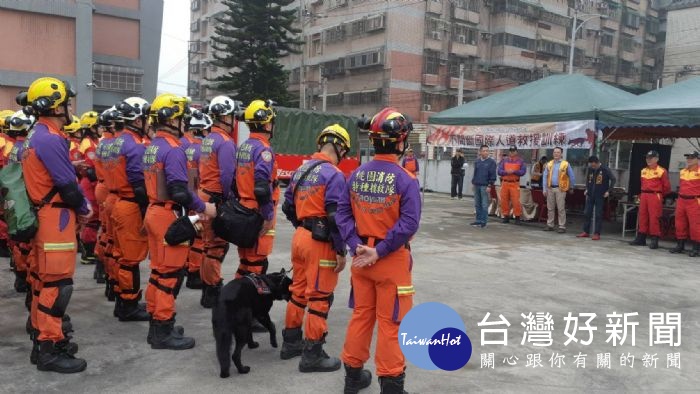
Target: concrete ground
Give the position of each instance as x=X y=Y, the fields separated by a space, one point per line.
x=502 y=269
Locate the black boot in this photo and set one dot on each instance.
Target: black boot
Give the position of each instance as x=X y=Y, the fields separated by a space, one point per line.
x=21 y=285
x=193 y=280
x=178 y=331
x=165 y=336
x=517 y=220
x=654 y=243
x=356 y=379
x=696 y=250
x=4 y=250
x=506 y=219
x=99 y=273
x=292 y=344
x=55 y=357
x=315 y=359
x=88 y=254
x=392 y=384
x=640 y=240
x=680 y=247
x=131 y=310
x=66 y=325
x=109 y=290
x=210 y=295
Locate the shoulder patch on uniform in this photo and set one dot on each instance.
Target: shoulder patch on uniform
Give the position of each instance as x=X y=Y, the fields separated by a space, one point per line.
x=266 y=155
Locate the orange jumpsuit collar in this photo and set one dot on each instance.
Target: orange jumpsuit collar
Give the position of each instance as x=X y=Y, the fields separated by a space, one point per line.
x=390 y=157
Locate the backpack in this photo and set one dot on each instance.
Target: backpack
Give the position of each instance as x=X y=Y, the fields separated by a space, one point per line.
x=20 y=212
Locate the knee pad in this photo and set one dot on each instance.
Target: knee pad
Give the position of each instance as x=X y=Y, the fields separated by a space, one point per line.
x=178 y=284
x=61 y=304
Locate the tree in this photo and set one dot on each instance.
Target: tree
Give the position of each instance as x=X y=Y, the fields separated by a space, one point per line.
x=252 y=36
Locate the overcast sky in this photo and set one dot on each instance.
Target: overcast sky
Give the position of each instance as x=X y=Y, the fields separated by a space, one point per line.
x=172 y=71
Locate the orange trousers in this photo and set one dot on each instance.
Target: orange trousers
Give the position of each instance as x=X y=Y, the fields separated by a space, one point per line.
x=214 y=248
x=380 y=293
x=650 y=210
x=105 y=244
x=167 y=264
x=20 y=255
x=54 y=253
x=130 y=247
x=101 y=193
x=196 y=254
x=510 y=194
x=314 y=279
x=254 y=260
x=688 y=218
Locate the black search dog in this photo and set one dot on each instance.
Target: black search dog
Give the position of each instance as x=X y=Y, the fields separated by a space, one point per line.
x=240 y=301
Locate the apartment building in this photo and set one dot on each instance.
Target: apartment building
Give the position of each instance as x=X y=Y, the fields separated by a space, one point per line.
x=203 y=21
x=107 y=49
x=682 y=49
x=361 y=55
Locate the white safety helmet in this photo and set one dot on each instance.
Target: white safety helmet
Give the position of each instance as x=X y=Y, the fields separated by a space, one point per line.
x=19 y=121
x=199 y=120
x=221 y=106
x=108 y=116
x=133 y=108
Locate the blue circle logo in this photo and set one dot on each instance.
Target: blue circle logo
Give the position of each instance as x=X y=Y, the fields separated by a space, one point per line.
x=433 y=336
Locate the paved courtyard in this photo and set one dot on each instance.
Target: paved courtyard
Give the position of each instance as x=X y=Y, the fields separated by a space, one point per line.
x=502 y=269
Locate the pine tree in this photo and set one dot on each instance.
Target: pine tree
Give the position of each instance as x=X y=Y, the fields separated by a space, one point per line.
x=252 y=36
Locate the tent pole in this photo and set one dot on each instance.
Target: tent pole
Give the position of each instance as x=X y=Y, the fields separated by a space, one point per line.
x=425 y=172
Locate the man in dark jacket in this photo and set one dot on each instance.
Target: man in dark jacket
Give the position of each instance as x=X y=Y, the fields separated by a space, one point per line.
x=483 y=180
x=457 y=174
x=599 y=181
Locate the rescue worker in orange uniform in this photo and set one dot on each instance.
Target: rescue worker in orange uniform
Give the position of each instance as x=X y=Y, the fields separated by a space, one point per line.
x=53 y=188
x=19 y=126
x=170 y=196
x=6 y=144
x=377 y=215
x=654 y=186
x=196 y=128
x=510 y=169
x=106 y=195
x=130 y=243
x=217 y=166
x=410 y=163
x=256 y=184
x=88 y=182
x=318 y=251
x=688 y=206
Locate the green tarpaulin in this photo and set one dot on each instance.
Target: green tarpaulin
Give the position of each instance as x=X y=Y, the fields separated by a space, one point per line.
x=677 y=105
x=557 y=98
x=296 y=130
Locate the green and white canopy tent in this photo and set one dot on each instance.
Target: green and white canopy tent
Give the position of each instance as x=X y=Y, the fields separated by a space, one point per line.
x=670 y=112
x=560 y=110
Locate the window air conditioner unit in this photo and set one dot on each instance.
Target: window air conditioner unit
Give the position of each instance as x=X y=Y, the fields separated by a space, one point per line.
x=437 y=35
x=427 y=108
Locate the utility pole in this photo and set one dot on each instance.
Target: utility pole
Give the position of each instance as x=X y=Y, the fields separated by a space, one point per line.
x=324 y=83
x=302 y=84
x=460 y=88
x=573 y=42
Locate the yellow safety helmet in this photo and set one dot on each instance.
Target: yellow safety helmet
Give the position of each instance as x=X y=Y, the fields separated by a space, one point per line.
x=169 y=106
x=259 y=112
x=89 y=119
x=73 y=126
x=5 y=118
x=335 y=134
x=19 y=121
x=48 y=93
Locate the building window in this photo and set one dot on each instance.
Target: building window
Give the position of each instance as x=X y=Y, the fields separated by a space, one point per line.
x=294 y=76
x=627 y=68
x=333 y=68
x=627 y=43
x=652 y=25
x=471 y=5
x=194 y=6
x=110 y=77
x=454 y=67
x=365 y=97
x=316 y=45
x=335 y=34
x=608 y=65
x=607 y=38
x=364 y=59
x=194 y=26
x=432 y=62
x=464 y=34
x=194 y=68
x=630 y=18
x=435 y=28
